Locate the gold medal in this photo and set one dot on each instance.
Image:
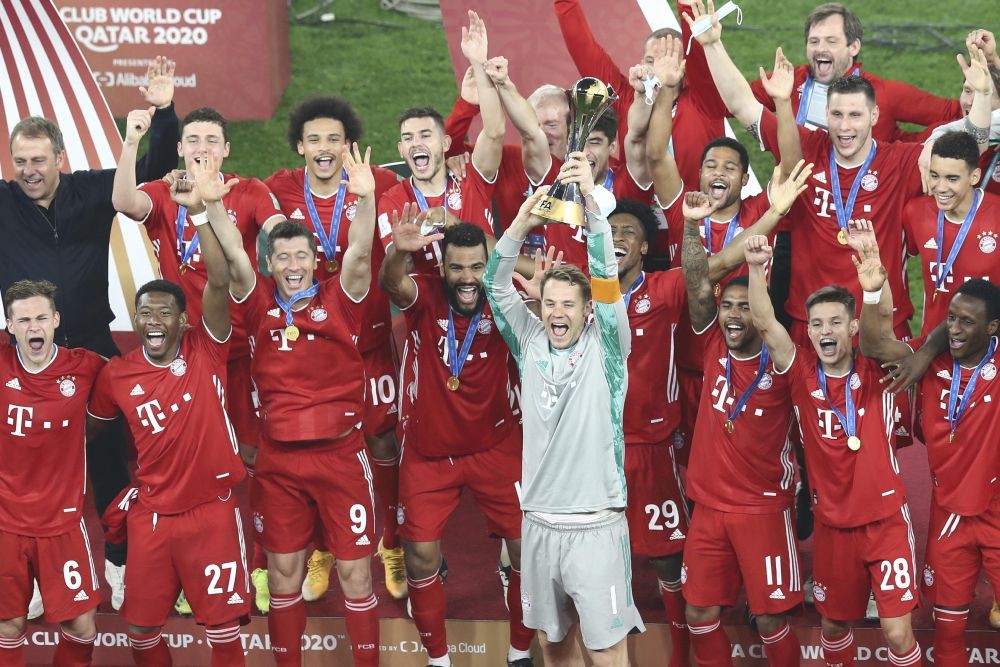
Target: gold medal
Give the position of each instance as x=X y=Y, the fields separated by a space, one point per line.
x=331 y=265
x=934 y=296
x=951 y=437
x=730 y=426
x=854 y=443
x=453 y=383
x=718 y=290
x=183 y=269
x=842 y=237
x=292 y=332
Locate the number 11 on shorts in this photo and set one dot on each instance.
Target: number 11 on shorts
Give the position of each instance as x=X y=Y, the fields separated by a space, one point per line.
x=772 y=566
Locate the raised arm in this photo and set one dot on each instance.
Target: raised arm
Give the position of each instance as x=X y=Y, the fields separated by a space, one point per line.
x=164 y=132
x=394 y=278
x=872 y=276
x=465 y=109
x=638 y=125
x=758 y=253
x=977 y=75
x=489 y=144
x=215 y=297
x=356 y=274
x=667 y=184
x=779 y=86
x=124 y=196
x=521 y=115
x=694 y=261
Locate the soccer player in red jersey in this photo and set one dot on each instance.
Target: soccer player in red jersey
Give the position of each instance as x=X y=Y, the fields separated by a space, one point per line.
x=43 y=478
x=422 y=145
x=742 y=471
x=863 y=539
x=459 y=359
x=312 y=464
x=316 y=195
x=186 y=530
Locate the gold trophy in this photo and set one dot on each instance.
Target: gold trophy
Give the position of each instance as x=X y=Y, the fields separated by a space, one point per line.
x=588 y=100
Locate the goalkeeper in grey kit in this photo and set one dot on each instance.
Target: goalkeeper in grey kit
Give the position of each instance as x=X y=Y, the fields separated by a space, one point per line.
x=575 y=547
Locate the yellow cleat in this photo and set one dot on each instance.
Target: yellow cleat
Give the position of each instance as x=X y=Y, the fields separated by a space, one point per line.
x=995 y=615
x=181 y=606
x=262 y=597
x=395 y=571
x=317 y=575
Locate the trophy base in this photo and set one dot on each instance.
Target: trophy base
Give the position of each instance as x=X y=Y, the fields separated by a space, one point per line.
x=559 y=210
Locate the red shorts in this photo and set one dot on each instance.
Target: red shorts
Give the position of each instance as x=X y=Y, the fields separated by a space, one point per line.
x=690 y=385
x=725 y=549
x=201 y=551
x=243 y=402
x=657 y=511
x=957 y=546
x=429 y=489
x=876 y=557
x=65 y=570
x=382 y=390
x=329 y=481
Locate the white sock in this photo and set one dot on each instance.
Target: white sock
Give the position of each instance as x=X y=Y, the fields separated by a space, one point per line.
x=443 y=661
x=513 y=654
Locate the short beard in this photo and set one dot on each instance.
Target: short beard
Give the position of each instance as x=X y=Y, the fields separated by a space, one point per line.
x=452 y=293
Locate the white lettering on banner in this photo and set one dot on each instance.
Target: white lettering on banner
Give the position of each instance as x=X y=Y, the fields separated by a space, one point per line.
x=103 y=30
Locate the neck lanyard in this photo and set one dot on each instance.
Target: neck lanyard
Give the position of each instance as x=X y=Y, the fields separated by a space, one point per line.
x=731 y=416
x=806 y=98
x=631 y=290
x=456 y=359
x=844 y=210
x=188 y=251
x=847 y=422
x=292 y=331
x=609 y=180
x=328 y=241
x=963 y=231
x=734 y=224
x=957 y=405
x=422 y=200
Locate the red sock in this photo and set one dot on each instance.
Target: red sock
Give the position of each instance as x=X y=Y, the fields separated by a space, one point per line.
x=680 y=638
x=361 y=617
x=520 y=636
x=909 y=658
x=149 y=650
x=711 y=645
x=227 y=649
x=838 y=652
x=782 y=647
x=286 y=622
x=429 y=607
x=385 y=474
x=12 y=651
x=73 y=651
x=949 y=637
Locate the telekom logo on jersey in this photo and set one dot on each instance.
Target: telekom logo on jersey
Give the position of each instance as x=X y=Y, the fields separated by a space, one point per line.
x=22 y=417
x=278 y=336
x=151 y=415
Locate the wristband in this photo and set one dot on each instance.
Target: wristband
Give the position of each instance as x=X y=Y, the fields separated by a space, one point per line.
x=873 y=297
x=199 y=219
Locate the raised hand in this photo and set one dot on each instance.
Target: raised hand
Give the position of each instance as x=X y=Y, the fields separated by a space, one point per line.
x=406 y=236
x=496 y=69
x=669 y=67
x=782 y=80
x=532 y=287
x=184 y=192
x=784 y=194
x=210 y=187
x=871 y=273
x=637 y=74
x=474 y=43
x=697 y=206
x=469 y=90
x=160 y=78
x=525 y=221
x=757 y=251
x=458 y=165
x=137 y=124
x=985 y=40
x=713 y=34
x=976 y=71
x=860 y=234
x=360 y=179
x=576 y=169
x=924 y=165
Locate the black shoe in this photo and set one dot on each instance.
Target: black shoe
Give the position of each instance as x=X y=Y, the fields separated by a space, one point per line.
x=521 y=662
x=443 y=570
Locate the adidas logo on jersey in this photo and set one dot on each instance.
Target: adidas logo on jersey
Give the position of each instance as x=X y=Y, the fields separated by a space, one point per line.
x=137 y=391
x=81 y=597
x=902 y=432
x=818 y=395
x=944 y=374
x=677 y=534
x=907 y=596
x=392 y=409
x=14 y=384
x=777 y=594
x=297 y=215
x=820 y=176
x=274 y=312
x=363 y=541
x=931 y=244
x=234 y=599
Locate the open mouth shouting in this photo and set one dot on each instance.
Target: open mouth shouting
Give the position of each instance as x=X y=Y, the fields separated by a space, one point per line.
x=560 y=331
x=295 y=281
x=155 y=339
x=620 y=254
x=36 y=344
x=325 y=162
x=823 y=67
x=827 y=347
x=421 y=160
x=734 y=330
x=718 y=189
x=467 y=296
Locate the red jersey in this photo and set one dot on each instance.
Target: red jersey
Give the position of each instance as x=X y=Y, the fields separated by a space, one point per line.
x=892 y=179
x=989 y=163
x=850 y=488
x=482 y=412
x=312 y=388
x=976 y=259
x=751 y=470
x=964 y=470
x=898 y=102
x=188 y=453
x=287 y=186
x=471 y=200
x=699 y=112
x=656 y=308
x=43 y=471
x=250 y=205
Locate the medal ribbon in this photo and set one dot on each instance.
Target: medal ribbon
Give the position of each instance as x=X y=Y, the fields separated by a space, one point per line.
x=844 y=210
x=422 y=200
x=328 y=241
x=963 y=231
x=455 y=360
x=633 y=288
x=765 y=356
x=805 y=99
x=847 y=422
x=185 y=252
x=958 y=405
x=295 y=298
x=734 y=224
x=989 y=170
x=609 y=180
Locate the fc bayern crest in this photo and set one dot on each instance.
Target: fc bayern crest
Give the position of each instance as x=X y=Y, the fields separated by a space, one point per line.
x=400 y=515
x=989 y=372
x=258 y=522
x=996 y=174
x=765 y=381
x=574 y=358
x=928 y=576
x=869 y=182
x=855 y=381
x=455 y=200
x=987 y=242
x=232 y=215
x=684 y=574
x=819 y=592
x=642 y=306
x=67 y=387
x=178 y=367
x=317 y=314
x=351 y=210
x=485 y=327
